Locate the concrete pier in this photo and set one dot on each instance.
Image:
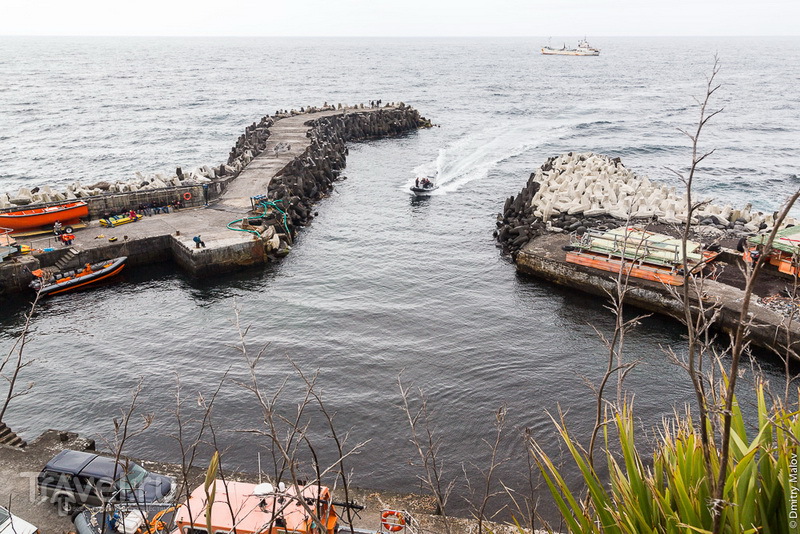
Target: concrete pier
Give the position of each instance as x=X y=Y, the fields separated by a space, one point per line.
x=575 y=193
x=298 y=158
x=545 y=258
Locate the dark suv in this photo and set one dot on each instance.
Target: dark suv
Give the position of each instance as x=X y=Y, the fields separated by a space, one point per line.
x=74 y=478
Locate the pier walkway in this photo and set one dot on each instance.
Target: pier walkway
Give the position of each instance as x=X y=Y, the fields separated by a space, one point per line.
x=288 y=132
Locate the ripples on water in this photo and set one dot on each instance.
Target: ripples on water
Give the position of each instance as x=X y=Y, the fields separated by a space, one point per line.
x=380 y=284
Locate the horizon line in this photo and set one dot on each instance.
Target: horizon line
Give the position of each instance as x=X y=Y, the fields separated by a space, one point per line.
x=195 y=36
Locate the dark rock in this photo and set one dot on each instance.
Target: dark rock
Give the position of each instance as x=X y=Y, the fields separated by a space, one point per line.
x=520 y=241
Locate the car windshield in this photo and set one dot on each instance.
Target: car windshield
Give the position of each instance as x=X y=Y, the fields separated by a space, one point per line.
x=132 y=480
x=4 y=515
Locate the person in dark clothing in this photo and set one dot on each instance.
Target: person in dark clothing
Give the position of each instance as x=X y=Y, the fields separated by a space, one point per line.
x=198 y=242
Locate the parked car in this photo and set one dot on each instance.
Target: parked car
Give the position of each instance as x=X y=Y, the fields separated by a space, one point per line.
x=75 y=478
x=11 y=524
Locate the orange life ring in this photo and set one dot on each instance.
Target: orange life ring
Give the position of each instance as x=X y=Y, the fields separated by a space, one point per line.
x=393 y=521
x=187 y=196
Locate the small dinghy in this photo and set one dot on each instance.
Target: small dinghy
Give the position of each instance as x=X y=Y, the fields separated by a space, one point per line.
x=69 y=280
x=424 y=187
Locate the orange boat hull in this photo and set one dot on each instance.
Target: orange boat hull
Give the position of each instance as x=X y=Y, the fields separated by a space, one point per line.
x=614 y=265
x=115 y=272
x=69 y=213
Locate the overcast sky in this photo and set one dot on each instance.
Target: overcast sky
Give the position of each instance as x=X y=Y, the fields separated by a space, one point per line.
x=400 y=17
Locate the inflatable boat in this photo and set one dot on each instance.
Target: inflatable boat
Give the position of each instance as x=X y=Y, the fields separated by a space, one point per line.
x=69 y=280
x=424 y=187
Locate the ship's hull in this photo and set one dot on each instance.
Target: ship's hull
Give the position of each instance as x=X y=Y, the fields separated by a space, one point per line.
x=424 y=191
x=573 y=52
x=68 y=213
x=69 y=281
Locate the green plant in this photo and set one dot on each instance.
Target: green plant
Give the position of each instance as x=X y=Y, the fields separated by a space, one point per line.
x=674 y=495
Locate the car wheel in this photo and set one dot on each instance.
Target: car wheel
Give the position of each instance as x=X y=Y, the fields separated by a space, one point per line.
x=65 y=505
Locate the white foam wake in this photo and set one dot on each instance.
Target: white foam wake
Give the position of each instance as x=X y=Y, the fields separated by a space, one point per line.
x=474 y=155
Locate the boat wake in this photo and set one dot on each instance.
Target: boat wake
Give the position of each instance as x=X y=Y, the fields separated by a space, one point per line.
x=473 y=156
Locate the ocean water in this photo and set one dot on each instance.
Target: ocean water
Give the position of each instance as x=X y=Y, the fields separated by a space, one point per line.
x=381 y=287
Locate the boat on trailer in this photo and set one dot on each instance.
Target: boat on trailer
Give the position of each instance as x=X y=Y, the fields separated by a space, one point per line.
x=61 y=282
x=239 y=507
x=638 y=253
x=66 y=213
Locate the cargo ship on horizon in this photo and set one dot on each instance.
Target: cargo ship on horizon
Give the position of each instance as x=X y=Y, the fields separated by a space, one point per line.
x=583 y=49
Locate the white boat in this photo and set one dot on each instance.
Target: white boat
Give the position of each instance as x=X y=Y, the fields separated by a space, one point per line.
x=583 y=50
x=424 y=186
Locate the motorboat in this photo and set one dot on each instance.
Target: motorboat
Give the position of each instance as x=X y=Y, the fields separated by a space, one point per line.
x=239 y=507
x=583 y=49
x=52 y=284
x=66 y=213
x=424 y=186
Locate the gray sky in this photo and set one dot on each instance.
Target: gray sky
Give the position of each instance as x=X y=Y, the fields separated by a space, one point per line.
x=399 y=17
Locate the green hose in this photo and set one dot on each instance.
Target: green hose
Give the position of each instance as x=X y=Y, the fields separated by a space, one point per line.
x=266 y=204
x=274 y=205
x=243 y=229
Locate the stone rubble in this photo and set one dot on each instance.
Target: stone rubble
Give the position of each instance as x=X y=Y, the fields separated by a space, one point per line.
x=574 y=192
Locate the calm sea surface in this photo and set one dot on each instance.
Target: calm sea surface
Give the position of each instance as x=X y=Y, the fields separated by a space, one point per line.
x=380 y=285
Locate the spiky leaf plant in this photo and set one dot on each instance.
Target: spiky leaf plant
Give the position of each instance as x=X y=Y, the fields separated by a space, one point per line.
x=674 y=495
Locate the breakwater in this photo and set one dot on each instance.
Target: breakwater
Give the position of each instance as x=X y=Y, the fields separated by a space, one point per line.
x=291 y=158
x=573 y=193
x=310 y=176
